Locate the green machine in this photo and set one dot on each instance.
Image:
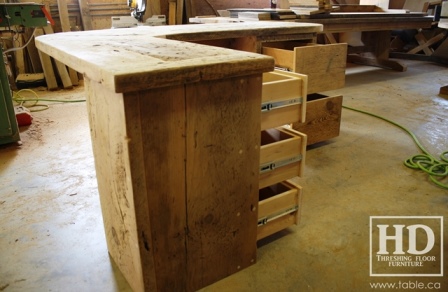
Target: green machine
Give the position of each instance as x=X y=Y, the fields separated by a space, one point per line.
x=13 y=15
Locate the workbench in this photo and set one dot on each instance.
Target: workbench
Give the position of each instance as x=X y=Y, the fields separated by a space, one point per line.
x=175 y=128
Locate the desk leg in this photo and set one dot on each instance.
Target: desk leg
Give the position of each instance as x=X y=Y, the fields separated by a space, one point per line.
x=177 y=172
x=380 y=42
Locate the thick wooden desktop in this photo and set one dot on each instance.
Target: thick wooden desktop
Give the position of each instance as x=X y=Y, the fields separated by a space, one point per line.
x=175 y=130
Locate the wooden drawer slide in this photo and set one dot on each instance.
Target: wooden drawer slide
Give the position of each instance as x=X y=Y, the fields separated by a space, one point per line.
x=283 y=98
x=278 y=208
x=282 y=155
x=323 y=64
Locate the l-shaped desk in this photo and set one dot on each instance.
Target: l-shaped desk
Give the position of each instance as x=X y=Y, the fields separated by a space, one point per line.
x=175 y=129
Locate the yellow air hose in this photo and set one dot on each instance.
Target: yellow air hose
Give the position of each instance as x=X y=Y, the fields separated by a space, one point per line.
x=436 y=169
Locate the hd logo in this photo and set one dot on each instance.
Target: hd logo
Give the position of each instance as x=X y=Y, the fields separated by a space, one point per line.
x=406 y=246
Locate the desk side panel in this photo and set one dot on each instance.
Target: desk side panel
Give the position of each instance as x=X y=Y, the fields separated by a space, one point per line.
x=162 y=123
x=223 y=138
x=113 y=170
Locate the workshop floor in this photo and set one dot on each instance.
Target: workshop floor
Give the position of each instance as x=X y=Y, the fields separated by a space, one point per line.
x=51 y=232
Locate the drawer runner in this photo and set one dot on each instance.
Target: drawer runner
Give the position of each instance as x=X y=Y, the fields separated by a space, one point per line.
x=271 y=217
x=267 y=106
x=270 y=166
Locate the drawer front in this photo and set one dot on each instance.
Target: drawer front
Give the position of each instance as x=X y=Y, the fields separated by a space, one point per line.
x=323 y=118
x=283 y=98
x=282 y=116
x=282 y=155
x=280 y=85
x=323 y=64
x=278 y=208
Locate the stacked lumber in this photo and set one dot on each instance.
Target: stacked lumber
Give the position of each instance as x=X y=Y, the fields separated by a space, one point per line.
x=26 y=65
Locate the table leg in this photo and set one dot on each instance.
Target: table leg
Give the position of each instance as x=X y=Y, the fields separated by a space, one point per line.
x=380 y=42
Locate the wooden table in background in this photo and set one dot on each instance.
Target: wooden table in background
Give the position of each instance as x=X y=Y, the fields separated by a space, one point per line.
x=376 y=33
x=376 y=30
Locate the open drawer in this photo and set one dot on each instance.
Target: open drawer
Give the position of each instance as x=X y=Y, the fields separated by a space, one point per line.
x=279 y=207
x=283 y=99
x=323 y=118
x=323 y=64
x=282 y=155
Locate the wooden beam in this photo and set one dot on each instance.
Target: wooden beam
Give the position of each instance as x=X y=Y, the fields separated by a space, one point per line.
x=62 y=69
x=63 y=15
x=33 y=52
x=47 y=66
x=85 y=15
x=422 y=41
x=172 y=12
x=153 y=7
x=430 y=42
x=65 y=25
x=179 y=11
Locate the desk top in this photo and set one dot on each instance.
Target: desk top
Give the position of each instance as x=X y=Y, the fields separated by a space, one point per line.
x=132 y=59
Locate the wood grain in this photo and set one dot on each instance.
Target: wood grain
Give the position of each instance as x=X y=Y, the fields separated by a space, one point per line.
x=153 y=61
x=220 y=156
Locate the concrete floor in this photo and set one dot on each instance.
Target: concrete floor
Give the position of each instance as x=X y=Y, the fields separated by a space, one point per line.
x=51 y=232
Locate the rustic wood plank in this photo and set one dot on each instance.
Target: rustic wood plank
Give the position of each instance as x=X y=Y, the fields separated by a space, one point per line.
x=324 y=65
x=33 y=53
x=63 y=74
x=430 y=42
x=61 y=68
x=421 y=40
x=323 y=118
x=180 y=12
x=172 y=12
x=153 y=7
x=218 y=234
x=66 y=27
x=47 y=65
x=331 y=39
x=97 y=54
x=85 y=14
x=112 y=144
x=63 y=15
x=190 y=8
x=164 y=159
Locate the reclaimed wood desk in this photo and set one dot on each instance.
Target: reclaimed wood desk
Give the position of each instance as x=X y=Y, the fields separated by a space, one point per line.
x=175 y=129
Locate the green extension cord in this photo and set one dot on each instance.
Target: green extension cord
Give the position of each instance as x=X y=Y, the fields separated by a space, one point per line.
x=436 y=169
x=18 y=98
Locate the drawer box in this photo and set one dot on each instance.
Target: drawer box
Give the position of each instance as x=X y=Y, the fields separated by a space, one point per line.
x=278 y=207
x=323 y=118
x=282 y=155
x=323 y=64
x=283 y=99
